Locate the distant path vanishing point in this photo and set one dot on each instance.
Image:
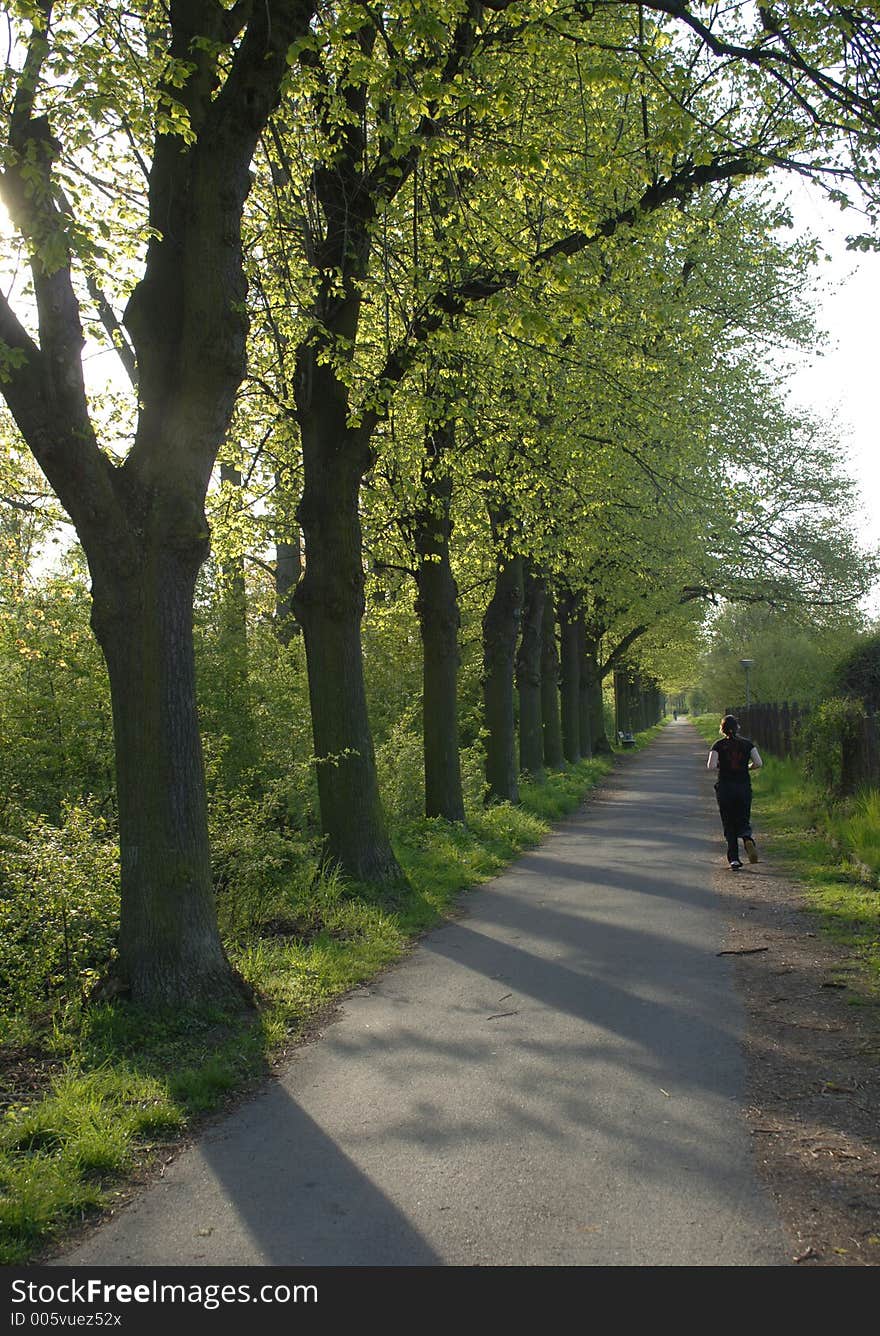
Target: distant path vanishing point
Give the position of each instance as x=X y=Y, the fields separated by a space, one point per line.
x=555 y=1078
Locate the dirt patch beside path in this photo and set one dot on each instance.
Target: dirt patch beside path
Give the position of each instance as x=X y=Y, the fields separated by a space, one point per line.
x=813 y=1050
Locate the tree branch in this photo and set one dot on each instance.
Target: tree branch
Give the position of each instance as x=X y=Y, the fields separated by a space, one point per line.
x=43 y=385
x=64 y=446
x=458 y=298
x=781 y=58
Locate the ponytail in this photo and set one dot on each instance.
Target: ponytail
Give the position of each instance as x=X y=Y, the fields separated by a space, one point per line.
x=730 y=725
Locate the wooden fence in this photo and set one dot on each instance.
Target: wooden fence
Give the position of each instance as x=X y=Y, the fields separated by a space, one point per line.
x=778 y=729
x=861 y=757
x=783 y=730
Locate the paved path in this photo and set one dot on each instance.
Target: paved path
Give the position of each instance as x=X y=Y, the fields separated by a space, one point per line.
x=554 y=1079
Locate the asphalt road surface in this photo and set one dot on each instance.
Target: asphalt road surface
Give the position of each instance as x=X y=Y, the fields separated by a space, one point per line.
x=556 y=1078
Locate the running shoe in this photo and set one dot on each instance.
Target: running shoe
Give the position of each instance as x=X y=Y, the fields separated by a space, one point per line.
x=735 y=865
x=750 y=848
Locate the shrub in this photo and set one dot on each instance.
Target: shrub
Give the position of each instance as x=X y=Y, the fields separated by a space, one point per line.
x=473 y=774
x=59 y=907
x=56 y=737
x=262 y=865
x=831 y=743
x=858 y=675
x=400 y=769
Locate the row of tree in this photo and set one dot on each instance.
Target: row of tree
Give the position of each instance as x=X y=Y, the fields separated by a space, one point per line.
x=457 y=290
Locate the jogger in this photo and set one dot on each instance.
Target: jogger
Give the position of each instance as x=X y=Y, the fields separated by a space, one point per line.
x=733 y=757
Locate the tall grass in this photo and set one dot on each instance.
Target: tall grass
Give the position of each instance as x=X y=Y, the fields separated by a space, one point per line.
x=856 y=828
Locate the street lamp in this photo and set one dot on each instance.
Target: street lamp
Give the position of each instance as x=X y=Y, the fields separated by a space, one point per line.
x=747 y=665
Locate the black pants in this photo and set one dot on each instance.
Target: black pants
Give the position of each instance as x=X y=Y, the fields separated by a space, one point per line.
x=735 y=806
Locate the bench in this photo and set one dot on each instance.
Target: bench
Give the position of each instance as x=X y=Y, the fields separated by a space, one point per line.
x=626 y=739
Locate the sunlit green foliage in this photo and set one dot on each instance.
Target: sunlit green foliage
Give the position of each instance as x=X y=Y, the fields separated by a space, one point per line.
x=529 y=221
x=59 y=910
x=857 y=674
x=794 y=652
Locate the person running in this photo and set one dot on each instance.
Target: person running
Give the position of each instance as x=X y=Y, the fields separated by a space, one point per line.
x=733 y=757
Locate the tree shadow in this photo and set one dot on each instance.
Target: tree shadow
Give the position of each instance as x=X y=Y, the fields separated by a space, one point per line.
x=555 y=1078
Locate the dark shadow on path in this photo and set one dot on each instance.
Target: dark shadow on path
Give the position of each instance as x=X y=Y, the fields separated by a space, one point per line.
x=303 y=1200
x=574 y=1034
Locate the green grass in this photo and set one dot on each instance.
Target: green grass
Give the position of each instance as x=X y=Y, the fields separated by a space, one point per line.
x=834 y=850
x=855 y=827
x=97 y=1091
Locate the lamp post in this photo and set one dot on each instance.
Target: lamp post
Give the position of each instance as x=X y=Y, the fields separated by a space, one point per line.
x=747 y=665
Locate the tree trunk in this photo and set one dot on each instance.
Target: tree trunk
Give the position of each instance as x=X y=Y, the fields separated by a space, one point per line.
x=329 y=604
x=601 y=744
x=170 y=950
x=528 y=675
x=552 y=728
x=439 y=621
x=585 y=730
x=500 y=628
x=641 y=704
x=142 y=523
x=232 y=583
x=288 y=569
x=626 y=693
x=240 y=755
x=571 y=676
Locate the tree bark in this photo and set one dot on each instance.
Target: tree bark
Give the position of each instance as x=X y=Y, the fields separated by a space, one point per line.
x=240 y=755
x=288 y=570
x=642 y=709
x=552 y=727
x=630 y=700
x=329 y=600
x=329 y=603
x=232 y=584
x=142 y=523
x=621 y=709
x=439 y=621
x=571 y=676
x=169 y=946
x=585 y=728
x=500 y=628
x=592 y=672
x=528 y=675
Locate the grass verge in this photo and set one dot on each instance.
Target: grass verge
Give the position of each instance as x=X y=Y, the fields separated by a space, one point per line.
x=832 y=849
x=95 y=1094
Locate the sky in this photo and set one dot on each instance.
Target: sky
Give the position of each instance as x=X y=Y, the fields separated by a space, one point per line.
x=843 y=385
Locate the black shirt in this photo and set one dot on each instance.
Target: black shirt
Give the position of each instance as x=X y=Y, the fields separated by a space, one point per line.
x=733 y=758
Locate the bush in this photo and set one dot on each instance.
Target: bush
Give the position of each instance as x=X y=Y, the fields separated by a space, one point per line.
x=56 y=736
x=400 y=769
x=400 y=764
x=831 y=743
x=858 y=675
x=473 y=774
x=59 y=908
x=262 y=865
